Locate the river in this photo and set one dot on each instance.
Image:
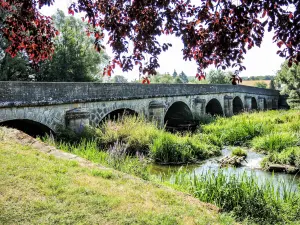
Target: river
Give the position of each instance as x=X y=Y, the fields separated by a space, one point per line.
x=250 y=166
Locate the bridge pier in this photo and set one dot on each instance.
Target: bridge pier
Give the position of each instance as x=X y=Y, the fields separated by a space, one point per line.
x=262 y=103
x=157 y=113
x=274 y=104
x=228 y=106
x=250 y=103
x=269 y=104
x=77 y=119
x=199 y=108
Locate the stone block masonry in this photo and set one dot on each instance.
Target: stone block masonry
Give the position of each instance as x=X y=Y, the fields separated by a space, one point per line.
x=51 y=103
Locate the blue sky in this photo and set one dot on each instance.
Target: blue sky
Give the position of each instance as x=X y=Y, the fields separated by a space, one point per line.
x=258 y=61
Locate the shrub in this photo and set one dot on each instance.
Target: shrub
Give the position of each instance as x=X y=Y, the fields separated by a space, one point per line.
x=290 y=156
x=238 y=152
x=136 y=132
x=177 y=149
x=274 y=142
x=68 y=135
x=171 y=148
x=243 y=195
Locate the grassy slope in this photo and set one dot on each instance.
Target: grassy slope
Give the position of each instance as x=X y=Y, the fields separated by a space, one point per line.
x=277 y=133
x=37 y=188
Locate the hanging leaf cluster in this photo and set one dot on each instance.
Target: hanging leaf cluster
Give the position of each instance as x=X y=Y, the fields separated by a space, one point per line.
x=26 y=29
x=214 y=32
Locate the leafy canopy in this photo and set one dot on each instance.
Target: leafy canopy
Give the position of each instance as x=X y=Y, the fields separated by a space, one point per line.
x=218 y=77
x=74 y=58
x=216 y=32
x=289 y=79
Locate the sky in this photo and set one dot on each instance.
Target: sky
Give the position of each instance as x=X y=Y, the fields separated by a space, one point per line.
x=258 y=61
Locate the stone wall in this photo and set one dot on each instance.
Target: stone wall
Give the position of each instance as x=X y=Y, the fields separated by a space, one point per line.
x=154 y=108
x=35 y=93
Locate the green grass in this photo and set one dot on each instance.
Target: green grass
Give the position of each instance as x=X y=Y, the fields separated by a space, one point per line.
x=272 y=132
x=177 y=149
x=141 y=138
x=243 y=195
x=115 y=157
x=37 y=188
x=289 y=156
x=238 y=152
x=275 y=142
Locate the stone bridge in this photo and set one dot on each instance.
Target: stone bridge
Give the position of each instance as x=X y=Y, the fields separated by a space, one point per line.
x=49 y=105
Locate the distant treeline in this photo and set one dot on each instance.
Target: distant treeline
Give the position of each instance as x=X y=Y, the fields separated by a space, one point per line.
x=266 y=77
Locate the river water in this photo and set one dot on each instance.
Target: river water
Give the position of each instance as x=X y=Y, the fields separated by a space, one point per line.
x=251 y=166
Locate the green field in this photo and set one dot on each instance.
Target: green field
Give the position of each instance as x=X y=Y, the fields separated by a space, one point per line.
x=37 y=188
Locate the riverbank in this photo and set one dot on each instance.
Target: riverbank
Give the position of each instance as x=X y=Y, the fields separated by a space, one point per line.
x=132 y=145
x=272 y=133
x=38 y=188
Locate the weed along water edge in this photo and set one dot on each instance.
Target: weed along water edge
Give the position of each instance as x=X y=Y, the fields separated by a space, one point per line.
x=251 y=166
x=43 y=185
x=250 y=193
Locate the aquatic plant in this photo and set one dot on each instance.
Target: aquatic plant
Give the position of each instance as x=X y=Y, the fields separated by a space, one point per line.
x=243 y=195
x=275 y=142
x=238 y=152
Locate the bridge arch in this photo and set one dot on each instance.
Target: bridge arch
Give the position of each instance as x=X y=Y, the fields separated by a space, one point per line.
x=117 y=114
x=237 y=105
x=30 y=127
x=253 y=104
x=179 y=115
x=274 y=104
x=265 y=105
x=214 y=108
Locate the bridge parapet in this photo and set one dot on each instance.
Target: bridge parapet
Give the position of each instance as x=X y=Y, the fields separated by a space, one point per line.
x=78 y=104
x=14 y=94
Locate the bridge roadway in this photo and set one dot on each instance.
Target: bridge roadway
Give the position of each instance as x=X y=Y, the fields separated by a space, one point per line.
x=49 y=105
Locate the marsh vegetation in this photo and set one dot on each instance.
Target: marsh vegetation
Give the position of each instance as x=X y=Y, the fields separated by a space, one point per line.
x=133 y=145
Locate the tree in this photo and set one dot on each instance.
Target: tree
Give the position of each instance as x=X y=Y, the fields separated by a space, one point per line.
x=119 y=79
x=289 y=79
x=261 y=84
x=13 y=69
x=213 y=33
x=175 y=74
x=217 y=77
x=183 y=77
x=272 y=85
x=75 y=58
x=162 y=79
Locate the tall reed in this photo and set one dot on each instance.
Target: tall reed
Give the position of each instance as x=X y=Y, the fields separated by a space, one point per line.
x=243 y=195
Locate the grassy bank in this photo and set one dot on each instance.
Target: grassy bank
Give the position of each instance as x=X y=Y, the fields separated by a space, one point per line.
x=276 y=133
x=139 y=137
x=36 y=188
x=244 y=196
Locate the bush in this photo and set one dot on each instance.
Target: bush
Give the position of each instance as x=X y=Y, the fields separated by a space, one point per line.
x=243 y=195
x=168 y=148
x=237 y=130
x=177 y=149
x=68 y=135
x=136 y=132
x=238 y=152
x=290 y=156
x=274 y=142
